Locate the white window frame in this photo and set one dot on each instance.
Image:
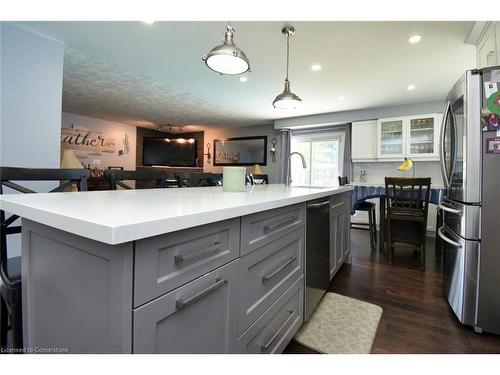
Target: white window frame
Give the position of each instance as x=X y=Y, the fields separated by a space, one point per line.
x=338 y=136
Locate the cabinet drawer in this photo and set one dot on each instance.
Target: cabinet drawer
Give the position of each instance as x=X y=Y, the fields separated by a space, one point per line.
x=267 y=273
x=340 y=203
x=165 y=262
x=263 y=227
x=199 y=317
x=272 y=332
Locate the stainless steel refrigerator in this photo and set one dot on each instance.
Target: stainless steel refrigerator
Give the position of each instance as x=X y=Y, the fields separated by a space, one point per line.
x=470 y=234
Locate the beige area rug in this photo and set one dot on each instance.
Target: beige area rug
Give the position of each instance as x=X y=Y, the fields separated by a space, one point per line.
x=341 y=325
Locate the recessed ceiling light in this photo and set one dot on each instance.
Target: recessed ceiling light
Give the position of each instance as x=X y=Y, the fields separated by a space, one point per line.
x=243 y=79
x=341 y=98
x=410 y=87
x=415 y=39
x=316 y=67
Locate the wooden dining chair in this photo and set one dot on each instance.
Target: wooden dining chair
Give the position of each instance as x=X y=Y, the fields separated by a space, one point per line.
x=147 y=179
x=407 y=204
x=10 y=267
x=370 y=209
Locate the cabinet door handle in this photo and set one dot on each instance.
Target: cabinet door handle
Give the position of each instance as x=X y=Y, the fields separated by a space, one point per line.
x=337 y=205
x=268 y=228
x=186 y=258
x=266 y=346
x=182 y=304
x=275 y=272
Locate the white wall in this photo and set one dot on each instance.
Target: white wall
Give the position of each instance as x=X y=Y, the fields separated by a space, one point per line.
x=376 y=172
x=271 y=169
x=109 y=129
x=31 y=98
x=31 y=72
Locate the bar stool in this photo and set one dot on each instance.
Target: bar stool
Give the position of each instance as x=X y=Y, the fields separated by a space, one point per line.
x=368 y=207
x=10 y=268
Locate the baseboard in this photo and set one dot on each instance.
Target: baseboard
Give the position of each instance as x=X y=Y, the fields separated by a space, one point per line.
x=431 y=231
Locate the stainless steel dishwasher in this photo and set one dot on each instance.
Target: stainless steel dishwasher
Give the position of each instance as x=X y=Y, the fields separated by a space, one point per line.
x=317 y=252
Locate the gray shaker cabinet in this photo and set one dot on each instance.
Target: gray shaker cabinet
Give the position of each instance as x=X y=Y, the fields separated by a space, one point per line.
x=77 y=293
x=267 y=273
x=199 y=317
x=165 y=262
x=340 y=223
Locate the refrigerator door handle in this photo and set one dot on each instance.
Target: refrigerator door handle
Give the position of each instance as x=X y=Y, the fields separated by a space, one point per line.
x=441 y=206
x=447 y=110
x=446 y=239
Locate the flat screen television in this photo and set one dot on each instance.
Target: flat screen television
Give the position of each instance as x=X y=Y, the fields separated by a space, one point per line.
x=171 y=152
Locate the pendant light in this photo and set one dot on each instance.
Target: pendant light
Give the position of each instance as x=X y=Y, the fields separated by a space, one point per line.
x=287 y=99
x=227 y=58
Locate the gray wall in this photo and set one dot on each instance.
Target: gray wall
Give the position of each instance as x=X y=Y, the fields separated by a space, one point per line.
x=31 y=72
x=109 y=129
x=271 y=169
x=361 y=115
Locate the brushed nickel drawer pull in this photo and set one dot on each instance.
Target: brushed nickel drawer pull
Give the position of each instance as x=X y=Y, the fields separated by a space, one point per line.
x=182 y=304
x=277 y=270
x=266 y=346
x=268 y=228
x=186 y=258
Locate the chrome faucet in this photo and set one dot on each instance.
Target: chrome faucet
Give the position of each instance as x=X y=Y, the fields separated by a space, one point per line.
x=288 y=180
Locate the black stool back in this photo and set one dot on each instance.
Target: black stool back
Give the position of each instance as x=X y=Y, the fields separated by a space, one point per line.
x=10 y=268
x=196 y=179
x=156 y=179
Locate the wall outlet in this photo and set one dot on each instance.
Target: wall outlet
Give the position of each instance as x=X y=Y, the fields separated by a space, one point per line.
x=96 y=161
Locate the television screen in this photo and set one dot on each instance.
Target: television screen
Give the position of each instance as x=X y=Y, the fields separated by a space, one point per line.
x=172 y=152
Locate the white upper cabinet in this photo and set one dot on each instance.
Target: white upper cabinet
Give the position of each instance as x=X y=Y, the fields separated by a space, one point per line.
x=423 y=136
x=364 y=140
x=391 y=135
x=488 y=47
x=390 y=139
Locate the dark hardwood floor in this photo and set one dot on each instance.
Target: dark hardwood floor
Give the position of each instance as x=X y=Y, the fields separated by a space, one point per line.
x=416 y=317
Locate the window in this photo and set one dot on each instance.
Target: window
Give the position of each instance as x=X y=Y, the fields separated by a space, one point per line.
x=323 y=153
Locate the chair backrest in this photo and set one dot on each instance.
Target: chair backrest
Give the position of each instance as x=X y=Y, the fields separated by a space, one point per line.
x=343 y=180
x=157 y=179
x=66 y=177
x=407 y=194
x=196 y=179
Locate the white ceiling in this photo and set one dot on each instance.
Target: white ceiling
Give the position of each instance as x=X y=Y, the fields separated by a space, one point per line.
x=141 y=74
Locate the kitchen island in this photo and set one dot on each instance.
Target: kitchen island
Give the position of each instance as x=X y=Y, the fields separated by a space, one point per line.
x=193 y=270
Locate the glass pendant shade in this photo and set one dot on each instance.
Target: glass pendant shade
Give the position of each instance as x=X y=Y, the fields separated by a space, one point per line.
x=227 y=58
x=287 y=99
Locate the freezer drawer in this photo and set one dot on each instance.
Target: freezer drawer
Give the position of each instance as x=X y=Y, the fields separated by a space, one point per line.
x=462 y=219
x=460 y=274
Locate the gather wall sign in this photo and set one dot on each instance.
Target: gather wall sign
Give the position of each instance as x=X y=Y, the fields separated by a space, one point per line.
x=86 y=142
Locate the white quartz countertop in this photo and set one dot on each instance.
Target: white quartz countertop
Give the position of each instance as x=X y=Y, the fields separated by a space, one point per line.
x=120 y=216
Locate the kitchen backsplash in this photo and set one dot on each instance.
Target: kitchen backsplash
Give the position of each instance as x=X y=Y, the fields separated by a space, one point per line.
x=376 y=172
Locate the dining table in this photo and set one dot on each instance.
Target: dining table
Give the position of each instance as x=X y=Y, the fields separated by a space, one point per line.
x=363 y=191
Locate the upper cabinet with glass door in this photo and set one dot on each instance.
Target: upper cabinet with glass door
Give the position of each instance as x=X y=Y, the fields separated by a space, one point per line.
x=410 y=136
x=391 y=137
x=423 y=136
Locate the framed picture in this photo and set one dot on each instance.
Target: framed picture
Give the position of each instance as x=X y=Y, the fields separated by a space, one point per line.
x=240 y=151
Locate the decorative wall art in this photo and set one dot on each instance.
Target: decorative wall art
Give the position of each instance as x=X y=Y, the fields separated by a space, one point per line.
x=240 y=151
x=86 y=142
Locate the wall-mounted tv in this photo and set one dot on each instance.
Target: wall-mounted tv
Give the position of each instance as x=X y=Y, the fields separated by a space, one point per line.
x=171 y=152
